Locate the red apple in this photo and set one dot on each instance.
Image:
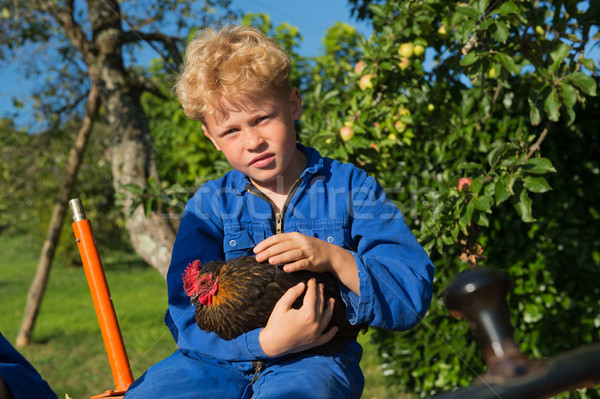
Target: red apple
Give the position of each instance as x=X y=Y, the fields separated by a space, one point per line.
x=365 y=81
x=464 y=182
x=403 y=63
x=359 y=67
x=346 y=132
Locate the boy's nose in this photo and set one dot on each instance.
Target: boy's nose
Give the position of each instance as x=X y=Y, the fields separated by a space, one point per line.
x=251 y=138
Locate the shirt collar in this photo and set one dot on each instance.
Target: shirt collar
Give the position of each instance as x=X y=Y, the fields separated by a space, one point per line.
x=314 y=162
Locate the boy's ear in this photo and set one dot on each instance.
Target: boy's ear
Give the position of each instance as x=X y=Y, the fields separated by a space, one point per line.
x=296 y=103
x=207 y=134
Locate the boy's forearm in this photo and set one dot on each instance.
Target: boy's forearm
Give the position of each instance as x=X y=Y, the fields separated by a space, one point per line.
x=343 y=267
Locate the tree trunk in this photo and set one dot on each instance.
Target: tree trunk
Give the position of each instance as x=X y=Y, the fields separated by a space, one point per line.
x=132 y=156
x=38 y=286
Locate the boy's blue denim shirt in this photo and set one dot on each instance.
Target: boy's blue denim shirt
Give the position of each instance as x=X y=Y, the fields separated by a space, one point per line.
x=336 y=202
x=22 y=379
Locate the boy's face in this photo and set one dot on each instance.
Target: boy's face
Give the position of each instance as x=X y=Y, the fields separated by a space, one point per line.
x=258 y=138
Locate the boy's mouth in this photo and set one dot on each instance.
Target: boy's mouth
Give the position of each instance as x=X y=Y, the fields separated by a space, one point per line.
x=262 y=160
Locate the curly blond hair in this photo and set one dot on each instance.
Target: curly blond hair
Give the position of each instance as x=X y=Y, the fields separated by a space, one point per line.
x=227 y=65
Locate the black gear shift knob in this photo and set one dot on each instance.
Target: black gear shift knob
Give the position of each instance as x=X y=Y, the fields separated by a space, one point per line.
x=479 y=294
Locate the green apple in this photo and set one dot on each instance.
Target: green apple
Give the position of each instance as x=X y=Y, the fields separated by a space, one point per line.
x=400 y=126
x=540 y=30
x=404 y=112
x=406 y=50
x=419 y=50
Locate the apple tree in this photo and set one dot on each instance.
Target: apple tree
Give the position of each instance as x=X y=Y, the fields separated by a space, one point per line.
x=442 y=94
x=498 y=92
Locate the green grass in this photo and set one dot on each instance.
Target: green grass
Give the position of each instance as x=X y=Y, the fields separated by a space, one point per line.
x=66 y=346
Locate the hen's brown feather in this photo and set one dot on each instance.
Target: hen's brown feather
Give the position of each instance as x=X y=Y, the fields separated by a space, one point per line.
x=248 y=291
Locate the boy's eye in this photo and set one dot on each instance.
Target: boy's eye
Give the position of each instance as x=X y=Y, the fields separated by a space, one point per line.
x=262 y=118
x=230 y=131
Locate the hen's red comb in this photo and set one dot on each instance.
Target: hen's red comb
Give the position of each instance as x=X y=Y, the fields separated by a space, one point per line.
x=189 y=277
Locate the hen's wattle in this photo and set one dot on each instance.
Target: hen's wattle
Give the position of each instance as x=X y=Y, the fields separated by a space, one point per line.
x=246 y=293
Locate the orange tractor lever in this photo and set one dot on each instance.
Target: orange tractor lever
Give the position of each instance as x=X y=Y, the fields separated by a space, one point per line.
x=107 y=318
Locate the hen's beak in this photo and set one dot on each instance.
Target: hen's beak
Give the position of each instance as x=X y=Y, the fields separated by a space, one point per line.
x=193 y=299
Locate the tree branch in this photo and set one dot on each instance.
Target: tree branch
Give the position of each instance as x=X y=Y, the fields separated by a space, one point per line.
x=537 y=144
x=64 y=17
x=472 y=42
x=169 y=43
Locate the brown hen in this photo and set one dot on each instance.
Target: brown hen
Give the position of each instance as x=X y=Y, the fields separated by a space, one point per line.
x=236 y=296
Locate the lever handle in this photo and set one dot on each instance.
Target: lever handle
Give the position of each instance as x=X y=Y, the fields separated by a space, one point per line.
x=479 y=294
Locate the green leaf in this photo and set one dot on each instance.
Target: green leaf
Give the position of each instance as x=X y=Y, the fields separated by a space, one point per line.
x=509 y=162
x=468 y=11
x=133 y=188
x=536 y=184
x=447 y=239
x=552 y=105
x=501 y=192
x=559 y=54
x=507 y=8
x=378 y=10
x=476 y=185
x=482 y=5
x=507 y=62
x=494 y=156
x=483 y=203
x=148 y=207
x=509 y=182
x=523 y=207
x=455 y=231
x=584 y=82
x=330 y=94
x=538 y=166
x=467 y=165
x=568 y=94
x=482 y=219
x=465 y=220
x=466 y=29
x=570 y=115
x=500 y=31
x=535 y=105
x=589 y=64
x=469 y=59
x=535 y=116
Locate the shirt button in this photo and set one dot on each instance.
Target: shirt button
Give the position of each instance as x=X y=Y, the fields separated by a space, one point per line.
x=232 y=243
x=330 y=239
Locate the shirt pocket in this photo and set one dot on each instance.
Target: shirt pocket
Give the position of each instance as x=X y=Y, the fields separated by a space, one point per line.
x=331 y=231
x=238 y=243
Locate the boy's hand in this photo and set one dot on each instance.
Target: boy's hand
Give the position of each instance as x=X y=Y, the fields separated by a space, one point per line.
x=301 y=252
x=297 y=251
x=291 y=330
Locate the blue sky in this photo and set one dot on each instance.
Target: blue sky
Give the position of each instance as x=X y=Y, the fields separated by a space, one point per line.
x=312 y=17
